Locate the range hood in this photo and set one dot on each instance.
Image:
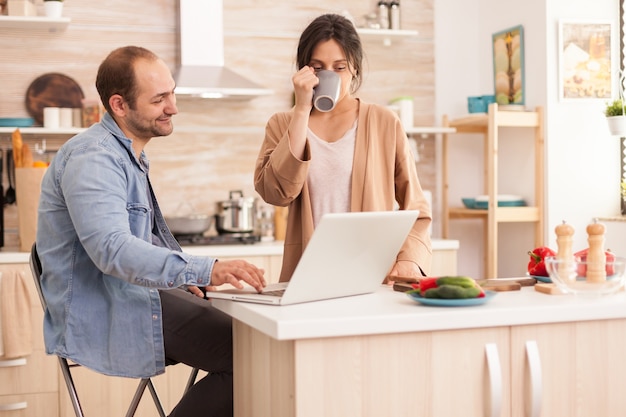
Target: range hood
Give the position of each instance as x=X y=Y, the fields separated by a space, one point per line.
x=202 y=73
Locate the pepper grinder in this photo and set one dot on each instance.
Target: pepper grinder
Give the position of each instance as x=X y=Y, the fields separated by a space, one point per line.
x=564 y=233
x=596 y=260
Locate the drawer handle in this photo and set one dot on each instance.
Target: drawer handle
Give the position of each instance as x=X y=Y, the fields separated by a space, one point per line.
x=534 y=366
x=495 y=379
x=13 y=362
x=13 y=406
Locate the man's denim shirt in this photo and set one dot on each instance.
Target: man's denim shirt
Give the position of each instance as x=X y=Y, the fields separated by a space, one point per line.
x=101 y=271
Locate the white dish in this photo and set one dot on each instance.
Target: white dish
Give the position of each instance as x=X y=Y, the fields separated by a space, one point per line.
x=501 y=198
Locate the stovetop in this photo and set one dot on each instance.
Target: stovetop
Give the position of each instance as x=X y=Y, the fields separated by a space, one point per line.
x=225 y=239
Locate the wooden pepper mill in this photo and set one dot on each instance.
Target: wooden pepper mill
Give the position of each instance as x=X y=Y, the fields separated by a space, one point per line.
x=596 y=259
x=564 y=234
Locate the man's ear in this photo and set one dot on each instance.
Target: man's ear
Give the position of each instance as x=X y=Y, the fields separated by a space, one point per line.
x=117 y=105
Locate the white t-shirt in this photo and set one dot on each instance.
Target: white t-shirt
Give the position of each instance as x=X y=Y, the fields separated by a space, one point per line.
x=330 y=173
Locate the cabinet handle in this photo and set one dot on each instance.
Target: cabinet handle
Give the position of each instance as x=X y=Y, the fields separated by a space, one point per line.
x=495 y=379
x=534 y=366
x=13 y=406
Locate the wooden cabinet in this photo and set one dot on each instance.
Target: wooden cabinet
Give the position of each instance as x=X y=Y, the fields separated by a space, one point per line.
x=444 y=262
x=571 y=369
x=272 y=264
x=582 y=369
x=469 y=373
x=29 y=386
x=489 y=126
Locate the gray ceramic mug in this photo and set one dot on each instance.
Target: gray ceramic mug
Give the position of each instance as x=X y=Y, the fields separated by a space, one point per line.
x=326 y=93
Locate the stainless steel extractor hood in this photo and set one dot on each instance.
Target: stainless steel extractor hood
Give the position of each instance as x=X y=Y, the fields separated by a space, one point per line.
x=202 y=72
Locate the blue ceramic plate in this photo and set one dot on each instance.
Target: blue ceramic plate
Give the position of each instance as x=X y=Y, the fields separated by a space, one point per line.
x=472 y=203
x=461 y=302
x=541 y=279
x=16 y=121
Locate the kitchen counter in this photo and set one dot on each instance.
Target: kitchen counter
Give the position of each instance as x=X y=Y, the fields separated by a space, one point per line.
x=529 y=352
x=256 y=249
x=388 y=311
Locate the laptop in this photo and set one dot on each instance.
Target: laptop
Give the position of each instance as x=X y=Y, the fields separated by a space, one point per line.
x=348 y=254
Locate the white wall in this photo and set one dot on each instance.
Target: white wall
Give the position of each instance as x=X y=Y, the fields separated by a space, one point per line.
x=582 y=168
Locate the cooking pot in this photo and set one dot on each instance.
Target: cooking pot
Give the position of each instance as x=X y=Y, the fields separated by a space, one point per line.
x=235 y=215
x=195 y=224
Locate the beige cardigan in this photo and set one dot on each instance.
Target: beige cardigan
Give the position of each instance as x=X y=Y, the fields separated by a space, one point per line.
x=383 y=172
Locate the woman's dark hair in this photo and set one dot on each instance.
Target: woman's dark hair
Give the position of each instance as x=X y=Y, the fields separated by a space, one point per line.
x=116 y=74
x=340 y=29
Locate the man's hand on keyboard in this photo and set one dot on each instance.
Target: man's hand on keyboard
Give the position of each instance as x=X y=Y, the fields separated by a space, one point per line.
x=233 y=271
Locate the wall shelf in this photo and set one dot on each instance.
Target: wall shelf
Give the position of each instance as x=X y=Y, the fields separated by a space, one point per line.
x=34 y=22
x=43 y=130
x=386 y=35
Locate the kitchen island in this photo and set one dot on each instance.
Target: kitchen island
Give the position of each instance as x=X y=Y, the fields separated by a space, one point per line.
x=522 y=353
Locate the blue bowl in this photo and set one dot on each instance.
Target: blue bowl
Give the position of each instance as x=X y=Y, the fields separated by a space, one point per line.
x=479 y=104
x=470 y=203
x=16 y=121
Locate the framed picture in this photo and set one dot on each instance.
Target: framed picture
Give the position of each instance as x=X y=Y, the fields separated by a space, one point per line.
x=585 y=60
x=508 y=66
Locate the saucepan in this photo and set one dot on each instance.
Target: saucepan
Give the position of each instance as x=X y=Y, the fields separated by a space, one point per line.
x=195 y=224
x=235 y=215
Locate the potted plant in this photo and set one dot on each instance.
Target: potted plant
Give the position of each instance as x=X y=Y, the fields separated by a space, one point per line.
x=53 y=8
x=614 y=113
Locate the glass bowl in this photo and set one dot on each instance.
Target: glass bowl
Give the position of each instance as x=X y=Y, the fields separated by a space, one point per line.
x=572 y=276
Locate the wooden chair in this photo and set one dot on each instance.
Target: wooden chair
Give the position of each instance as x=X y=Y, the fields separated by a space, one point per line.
x=35 y=266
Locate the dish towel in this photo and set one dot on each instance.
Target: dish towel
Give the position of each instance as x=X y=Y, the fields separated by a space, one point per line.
x=15 y=315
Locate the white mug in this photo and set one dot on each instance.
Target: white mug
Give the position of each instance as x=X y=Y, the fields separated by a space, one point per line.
x=326 y=93
x=51 y=117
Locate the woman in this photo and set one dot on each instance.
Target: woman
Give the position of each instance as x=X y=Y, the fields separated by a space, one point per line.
x=355 y=157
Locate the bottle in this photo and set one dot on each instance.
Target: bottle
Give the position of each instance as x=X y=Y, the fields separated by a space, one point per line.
x=383 y=14
x=394 y=14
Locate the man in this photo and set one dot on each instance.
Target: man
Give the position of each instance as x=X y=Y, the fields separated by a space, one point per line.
x=117 y=285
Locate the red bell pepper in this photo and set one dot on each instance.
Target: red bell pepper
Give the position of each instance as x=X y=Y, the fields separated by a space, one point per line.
x=537 y=266
x=426 y=284
x=581 y=255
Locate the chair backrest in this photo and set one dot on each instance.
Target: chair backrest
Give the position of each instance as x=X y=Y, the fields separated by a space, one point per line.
x=35 y=267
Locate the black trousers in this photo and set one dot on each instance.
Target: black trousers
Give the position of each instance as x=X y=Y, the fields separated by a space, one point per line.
x=200 y=336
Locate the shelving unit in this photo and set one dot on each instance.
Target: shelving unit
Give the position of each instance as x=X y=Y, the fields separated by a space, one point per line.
x=488 y=125
x=34 y=22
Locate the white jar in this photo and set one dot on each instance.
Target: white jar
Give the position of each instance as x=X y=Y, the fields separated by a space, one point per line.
x=405 y=105
x=51 y=117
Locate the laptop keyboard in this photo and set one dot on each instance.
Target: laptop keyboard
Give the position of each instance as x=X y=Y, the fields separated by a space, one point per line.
x=276 y=293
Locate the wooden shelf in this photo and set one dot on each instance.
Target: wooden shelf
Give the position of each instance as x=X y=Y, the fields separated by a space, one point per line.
x=488 y=124
x=35 y=22
x=503 y=214
x=386 y=35
x=428 y=130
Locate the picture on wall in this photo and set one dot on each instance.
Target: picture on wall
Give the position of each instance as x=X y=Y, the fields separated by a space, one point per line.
x=508 y=66
x=584 y=60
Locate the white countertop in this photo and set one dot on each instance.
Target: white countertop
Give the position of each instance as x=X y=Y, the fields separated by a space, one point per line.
x=217 y=251
x=388 y=311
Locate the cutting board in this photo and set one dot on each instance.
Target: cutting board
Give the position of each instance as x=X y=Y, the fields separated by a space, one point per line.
x=52 y=90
